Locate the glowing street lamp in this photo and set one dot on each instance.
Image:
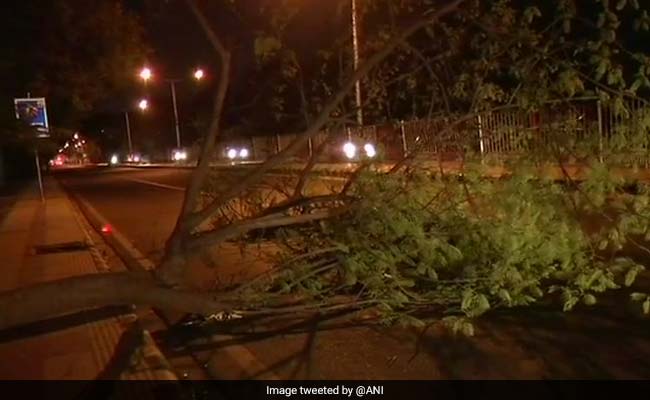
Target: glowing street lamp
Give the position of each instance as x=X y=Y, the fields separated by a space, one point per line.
x=146 y=74
x=143 y=104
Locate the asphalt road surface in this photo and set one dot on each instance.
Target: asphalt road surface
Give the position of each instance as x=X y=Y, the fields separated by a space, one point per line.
x=608 y=341
x=143 y=204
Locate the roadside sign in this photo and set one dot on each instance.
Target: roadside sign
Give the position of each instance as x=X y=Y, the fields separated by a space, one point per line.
x=33 y=111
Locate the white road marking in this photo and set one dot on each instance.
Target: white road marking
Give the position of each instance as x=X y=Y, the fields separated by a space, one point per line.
x=156 y=184
x=182 y=189
x=315 y=177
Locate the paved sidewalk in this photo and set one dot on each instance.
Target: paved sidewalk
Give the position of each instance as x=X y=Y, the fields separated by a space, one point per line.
x=65 y=351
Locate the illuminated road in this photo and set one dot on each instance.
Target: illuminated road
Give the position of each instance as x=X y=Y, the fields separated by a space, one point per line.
x=143 y=203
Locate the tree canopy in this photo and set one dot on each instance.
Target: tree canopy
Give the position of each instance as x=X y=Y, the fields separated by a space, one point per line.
x=73 y=52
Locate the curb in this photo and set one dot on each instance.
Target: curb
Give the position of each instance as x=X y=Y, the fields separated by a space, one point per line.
x=134 y=260
x=152 y=363
x=132 y=257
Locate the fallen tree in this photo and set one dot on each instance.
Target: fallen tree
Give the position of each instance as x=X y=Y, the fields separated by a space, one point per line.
x=406 y=244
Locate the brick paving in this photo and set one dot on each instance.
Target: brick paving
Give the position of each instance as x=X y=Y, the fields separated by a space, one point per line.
x=79 y=351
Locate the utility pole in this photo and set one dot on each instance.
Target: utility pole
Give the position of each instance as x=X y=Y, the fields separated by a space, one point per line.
x=38 y=165
x=172 y=84
x=128 y=131
x=355 y=45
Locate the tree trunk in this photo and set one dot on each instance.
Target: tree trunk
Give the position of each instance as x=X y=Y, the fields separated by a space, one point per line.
x=51 y=299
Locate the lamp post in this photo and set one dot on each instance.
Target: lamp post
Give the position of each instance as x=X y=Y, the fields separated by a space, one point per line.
x=172 y=84
x=143 y=104
x=355 y=46
x=199 y=74
x=128 y=131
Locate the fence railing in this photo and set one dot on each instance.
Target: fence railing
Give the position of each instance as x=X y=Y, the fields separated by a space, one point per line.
x=499 y=133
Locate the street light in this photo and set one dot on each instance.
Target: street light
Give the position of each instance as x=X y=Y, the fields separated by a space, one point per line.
x=199 y=74
x=146 y=74
x=143 y=104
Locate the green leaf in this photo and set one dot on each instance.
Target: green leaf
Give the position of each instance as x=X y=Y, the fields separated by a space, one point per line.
x=505 y=296
x=483 y=302
x=602 y=245
x=631 y=275
x=468 y=329
x=638 y=296
x=589 y=299
x=433 y=275
x=409 y=283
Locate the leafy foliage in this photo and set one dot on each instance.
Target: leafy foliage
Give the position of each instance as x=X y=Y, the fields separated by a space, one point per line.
x=416 y=245
x=411 y=245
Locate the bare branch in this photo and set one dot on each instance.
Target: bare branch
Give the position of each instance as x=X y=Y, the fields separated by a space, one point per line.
x=201 y=171
x=271 y=221
x=170 y=268
x=305 y=202
x=304 y=175
x=325 y=113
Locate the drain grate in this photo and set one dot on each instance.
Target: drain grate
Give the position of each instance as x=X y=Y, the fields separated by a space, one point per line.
x=61 y=247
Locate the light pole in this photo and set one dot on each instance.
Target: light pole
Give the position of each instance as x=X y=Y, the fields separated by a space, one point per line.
x=143 y=104
x=128 y=131
x=146 y=74
x=172 y=84
x=355 y=45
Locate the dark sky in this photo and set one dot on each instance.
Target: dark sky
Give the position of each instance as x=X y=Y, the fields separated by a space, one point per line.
x=178 y=45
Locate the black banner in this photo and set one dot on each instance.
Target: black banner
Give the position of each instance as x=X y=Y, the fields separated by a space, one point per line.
x=371 y=390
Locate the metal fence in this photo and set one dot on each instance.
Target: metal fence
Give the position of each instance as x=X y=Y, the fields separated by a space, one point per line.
x=500 y=133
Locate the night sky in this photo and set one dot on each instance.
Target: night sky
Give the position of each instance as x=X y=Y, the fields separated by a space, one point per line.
x=178 y=46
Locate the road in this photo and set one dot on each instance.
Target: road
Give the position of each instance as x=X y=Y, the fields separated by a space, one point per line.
x=603 y=342
x=142 y=204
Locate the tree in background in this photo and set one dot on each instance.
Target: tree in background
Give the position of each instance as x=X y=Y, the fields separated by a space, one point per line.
x=73 y=52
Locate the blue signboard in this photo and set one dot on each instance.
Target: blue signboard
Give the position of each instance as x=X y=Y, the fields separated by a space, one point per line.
x=33 y=112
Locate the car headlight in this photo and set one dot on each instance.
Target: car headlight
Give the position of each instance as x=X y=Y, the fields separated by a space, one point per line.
x=243 y=153
x=232 y=154
x=350 y=150
x=179 y=155
x=370 y=150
